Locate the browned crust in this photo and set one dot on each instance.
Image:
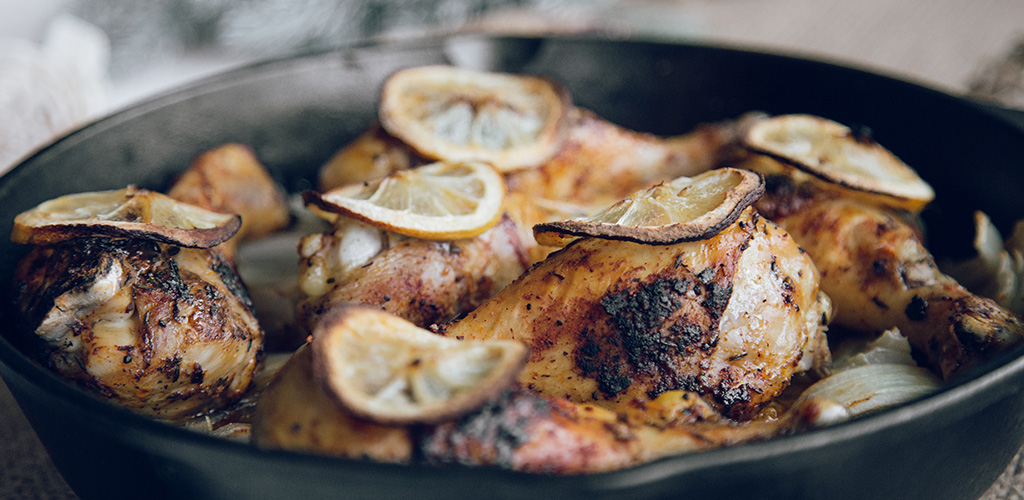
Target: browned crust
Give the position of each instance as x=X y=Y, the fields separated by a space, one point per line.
x=750 y=189
x=325 y=372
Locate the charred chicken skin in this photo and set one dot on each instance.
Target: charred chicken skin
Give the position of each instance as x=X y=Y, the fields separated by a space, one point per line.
x=598 y=163
x=593 y=163
x=610 y=322
x=520 y=429
x=164 y=330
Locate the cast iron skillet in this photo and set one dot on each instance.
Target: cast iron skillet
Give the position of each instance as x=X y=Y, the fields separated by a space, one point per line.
x=297 y=112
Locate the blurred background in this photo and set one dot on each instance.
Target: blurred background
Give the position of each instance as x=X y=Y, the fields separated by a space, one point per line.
x=65 y=62
x=102 y=55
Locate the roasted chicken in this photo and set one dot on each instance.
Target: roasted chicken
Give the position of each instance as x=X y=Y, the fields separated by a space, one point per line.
x=164 y=330
x=731 y=318
x=879 y=275
x=853 y=206
x=520 y=429
x=594 y=163
x=423 y=281
x=597 y=163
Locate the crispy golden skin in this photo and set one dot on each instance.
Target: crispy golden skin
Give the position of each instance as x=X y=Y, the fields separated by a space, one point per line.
x=519 y=430
x=425 y=282
x=731 y=318
x=600 y=162
x=879 y=275
x=163 y=330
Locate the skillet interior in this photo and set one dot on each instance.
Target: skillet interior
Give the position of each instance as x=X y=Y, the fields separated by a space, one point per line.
x=297 y=112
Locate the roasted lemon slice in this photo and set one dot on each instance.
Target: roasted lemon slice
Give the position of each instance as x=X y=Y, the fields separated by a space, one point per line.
x=385 y=369
x=448 y=113
x=834 y=153
x=126 y=213
x=685 y=209
x=439 y=201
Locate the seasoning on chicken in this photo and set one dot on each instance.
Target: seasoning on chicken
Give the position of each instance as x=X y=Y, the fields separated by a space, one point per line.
x=154 y=326
x=853 y=207
x=517 y=428
x=731 y=317
x=403 y=257
x=423 y=281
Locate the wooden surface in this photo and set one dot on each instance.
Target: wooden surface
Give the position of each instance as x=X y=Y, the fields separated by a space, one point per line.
x=945 y=44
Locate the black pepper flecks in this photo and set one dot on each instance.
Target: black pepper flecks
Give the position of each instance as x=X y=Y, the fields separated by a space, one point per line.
x=233 y=282
x=168 y=278
x=688 y=334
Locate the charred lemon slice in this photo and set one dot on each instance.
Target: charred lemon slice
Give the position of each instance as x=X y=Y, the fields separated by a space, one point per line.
x=439 y=201
x=834 y=153
x=685 y=209
x=126 y=213
x=448 y=113
x=385 y=369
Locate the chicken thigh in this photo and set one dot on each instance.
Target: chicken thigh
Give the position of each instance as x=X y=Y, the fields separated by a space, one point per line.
x=731 y=318
x=164 y=330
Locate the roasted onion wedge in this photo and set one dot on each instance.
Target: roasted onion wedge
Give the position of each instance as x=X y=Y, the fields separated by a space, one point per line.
x=685 y=209
x=126 y=213
x=440 y=201
x=387 y=370
x=834 y=153
x=448 y=113
x=997 y=270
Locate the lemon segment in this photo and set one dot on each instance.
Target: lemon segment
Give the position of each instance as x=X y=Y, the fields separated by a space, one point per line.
x=439 y=201
x=835 y=154
x=684 y=209
x=385 y=369
x=126 y=213
x=447 y=113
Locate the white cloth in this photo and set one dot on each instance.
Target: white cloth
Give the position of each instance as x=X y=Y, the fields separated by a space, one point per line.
x=47 y=89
